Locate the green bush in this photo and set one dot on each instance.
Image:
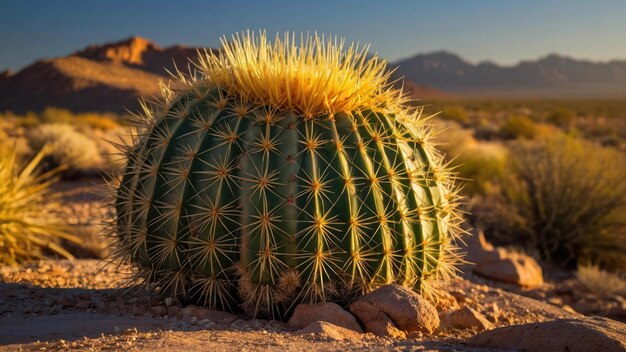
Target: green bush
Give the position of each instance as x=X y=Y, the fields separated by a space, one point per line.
x=564 y=197
x=518 y=127
x=67 y=147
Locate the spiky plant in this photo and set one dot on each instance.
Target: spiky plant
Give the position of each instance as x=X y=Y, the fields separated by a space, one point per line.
x=275 y=174
x=27 y=226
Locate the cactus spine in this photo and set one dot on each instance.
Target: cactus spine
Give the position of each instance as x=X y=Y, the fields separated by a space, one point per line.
x=278 y=174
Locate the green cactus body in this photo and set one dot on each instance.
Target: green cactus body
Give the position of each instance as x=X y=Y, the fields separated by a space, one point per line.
x=233 y=201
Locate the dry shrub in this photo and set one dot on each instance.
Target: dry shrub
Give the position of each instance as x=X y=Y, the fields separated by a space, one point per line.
x=479 y=164
x=67 y=147
x=518 y=127
x=564 y=197
x=601 y=282
x=27 y=226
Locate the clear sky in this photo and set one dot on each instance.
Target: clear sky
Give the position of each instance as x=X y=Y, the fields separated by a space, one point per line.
x=504 y=31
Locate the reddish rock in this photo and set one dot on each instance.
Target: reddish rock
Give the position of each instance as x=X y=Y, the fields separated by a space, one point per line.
x=331 y=331
x=384 y=327
x=305 y=314
x=466 y=318
x=512 y=268
x=572 y=335
x=404 y=308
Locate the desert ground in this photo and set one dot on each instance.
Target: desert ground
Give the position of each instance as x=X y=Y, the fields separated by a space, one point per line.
x=87 y=305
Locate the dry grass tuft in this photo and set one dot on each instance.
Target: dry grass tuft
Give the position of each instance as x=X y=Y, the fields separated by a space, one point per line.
x=27 y=228
x=67 y=147
x=601 y=282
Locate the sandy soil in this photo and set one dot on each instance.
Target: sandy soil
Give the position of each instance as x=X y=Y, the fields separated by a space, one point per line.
x=84 y=305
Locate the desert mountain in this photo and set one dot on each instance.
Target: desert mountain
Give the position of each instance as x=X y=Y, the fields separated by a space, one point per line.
x=552 y=76
x=107 y=77
x=111 y=77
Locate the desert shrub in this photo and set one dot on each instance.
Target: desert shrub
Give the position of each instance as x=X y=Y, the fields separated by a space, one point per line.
x=601 y=282
x=67 y=147
x=456 y=114
x=477 y=163
x=27 y=228
x=562 y=117
x=518 y=126
x=103 y=121
x=563 y=196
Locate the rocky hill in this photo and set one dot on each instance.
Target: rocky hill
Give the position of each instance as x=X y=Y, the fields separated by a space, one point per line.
x=108 y=77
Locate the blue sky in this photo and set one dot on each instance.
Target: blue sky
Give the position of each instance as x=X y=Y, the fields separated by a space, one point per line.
x=503 y=31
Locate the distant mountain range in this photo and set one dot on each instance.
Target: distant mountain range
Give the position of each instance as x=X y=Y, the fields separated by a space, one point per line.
x=553 y=76
x=111 y=77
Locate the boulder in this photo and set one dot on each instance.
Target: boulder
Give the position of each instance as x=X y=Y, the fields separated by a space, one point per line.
x=329 y=312
x=466 y=318
x=572 y=335
x=397 y=305
x=331 y=331
x=514 y=268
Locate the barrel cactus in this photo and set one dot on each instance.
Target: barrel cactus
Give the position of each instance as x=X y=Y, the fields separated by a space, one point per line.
x=276 y=173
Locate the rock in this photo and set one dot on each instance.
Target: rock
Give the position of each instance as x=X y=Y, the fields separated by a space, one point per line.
x=585 y=307
x=514 y=268
x=305 y=314
x=383 y=326
x=466 y=318
x=331 y=331
x=158 y=311
x=203 y=313
x=84 y=304
x=172 y=302
x=404 y=308
x=572 y=335
x=66 y=301
x=173 y=311
x=445 y=301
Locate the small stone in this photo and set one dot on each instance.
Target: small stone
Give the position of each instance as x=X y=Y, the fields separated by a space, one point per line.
x=173 y=311
x=405 y=308
x=305 y=314
x=158 y=311
x=172 y=302
x=467 y=318
x=384 y=327
x=202 y=313
x=557 y=301
x=66 y=301
x=445 y=301
x=83 y=304
x=330 y=331
x=585 y=307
